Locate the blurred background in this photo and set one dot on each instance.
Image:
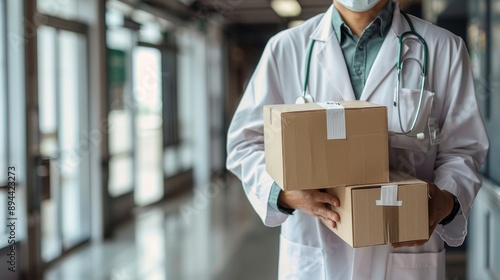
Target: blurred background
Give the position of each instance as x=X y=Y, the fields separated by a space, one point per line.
x=113 y=120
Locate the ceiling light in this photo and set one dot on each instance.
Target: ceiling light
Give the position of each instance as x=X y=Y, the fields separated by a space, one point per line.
x=286 y=8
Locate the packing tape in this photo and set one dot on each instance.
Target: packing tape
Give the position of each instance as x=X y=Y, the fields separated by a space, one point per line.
x=335 y=120
x=389 y=196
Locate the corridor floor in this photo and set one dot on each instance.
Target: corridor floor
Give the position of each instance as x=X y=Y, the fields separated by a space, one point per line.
x=200 y=236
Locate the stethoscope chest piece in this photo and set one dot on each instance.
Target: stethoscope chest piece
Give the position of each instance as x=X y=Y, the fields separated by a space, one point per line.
x=304 y=99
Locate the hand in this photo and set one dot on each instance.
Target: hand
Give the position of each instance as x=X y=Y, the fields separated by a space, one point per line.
x=440 y=206
x=313 y=202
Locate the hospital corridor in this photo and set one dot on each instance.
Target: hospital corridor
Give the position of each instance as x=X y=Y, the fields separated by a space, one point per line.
x=148 y=140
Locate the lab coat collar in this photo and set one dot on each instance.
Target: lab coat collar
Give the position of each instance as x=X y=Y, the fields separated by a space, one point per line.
x=331 y=58
x=324 y=30
x=385 y=63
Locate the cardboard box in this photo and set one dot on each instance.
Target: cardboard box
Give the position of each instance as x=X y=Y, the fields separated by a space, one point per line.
x=365 y=222
x=300 y=155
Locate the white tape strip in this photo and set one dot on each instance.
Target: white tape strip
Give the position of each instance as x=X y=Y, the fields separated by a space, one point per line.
x=335 y=119
x=389 y=196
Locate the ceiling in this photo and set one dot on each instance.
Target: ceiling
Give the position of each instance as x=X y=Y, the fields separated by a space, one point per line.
x=244 y=12
x=260 y=12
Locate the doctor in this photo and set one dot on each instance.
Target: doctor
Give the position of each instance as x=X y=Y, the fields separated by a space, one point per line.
x=354 y=57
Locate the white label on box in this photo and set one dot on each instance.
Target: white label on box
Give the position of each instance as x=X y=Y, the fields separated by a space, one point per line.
x=389 y=196
x=335 y=120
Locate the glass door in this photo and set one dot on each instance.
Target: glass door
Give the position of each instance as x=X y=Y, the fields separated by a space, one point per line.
x=493 y=123
x=148 y=77
x=479 y=43
x=64 y=140
x=4 y=122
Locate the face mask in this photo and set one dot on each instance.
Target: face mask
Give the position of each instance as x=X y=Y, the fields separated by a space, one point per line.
x=358 y=5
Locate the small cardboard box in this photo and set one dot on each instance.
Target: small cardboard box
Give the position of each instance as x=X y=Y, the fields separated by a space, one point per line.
x=366 y=219
x=304 y=150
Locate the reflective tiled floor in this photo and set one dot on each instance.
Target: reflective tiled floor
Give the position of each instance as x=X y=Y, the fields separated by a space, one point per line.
x=201 y=235
x=212 y=235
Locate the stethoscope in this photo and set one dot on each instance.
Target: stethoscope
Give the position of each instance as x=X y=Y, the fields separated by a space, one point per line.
x=307 y=98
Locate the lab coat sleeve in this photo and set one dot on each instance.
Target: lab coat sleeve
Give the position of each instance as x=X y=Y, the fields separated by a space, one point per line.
x=463 y=147
x=245 y=144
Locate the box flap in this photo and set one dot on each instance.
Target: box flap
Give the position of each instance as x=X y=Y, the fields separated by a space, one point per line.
x=402 y=178
x=395 y=176
x=293 y=108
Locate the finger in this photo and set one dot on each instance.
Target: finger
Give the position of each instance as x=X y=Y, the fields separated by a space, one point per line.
x=322 y=211
x=419 y=243
x=333 y=224
x=431 y=189
x=328 y=222
x=432 y=219
x=431 y=229
x=327 y=198
x=402 y=244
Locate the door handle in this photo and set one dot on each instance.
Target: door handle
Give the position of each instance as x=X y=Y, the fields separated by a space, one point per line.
x=43 y=177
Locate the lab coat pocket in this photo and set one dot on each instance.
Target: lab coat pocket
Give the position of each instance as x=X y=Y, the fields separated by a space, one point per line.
x=298 y=261
x=416 y=266
x=408 y=103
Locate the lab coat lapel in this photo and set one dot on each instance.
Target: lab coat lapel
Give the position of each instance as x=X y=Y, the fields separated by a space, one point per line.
x=385 y=63
x=330 y=57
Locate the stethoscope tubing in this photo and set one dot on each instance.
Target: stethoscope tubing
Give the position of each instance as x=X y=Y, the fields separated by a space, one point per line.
x=304 y=98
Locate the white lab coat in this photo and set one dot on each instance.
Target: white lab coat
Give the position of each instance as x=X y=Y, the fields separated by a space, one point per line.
x=308 y=250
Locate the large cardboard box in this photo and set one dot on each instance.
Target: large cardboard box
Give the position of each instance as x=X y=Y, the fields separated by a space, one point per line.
x=380 y=214
x=304 y=150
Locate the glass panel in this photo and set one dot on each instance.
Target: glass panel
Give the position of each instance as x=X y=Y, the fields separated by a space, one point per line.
x=71 y=140
x=47 y=70
x=47 y=91
x=65 y=213
x=149 y=139
x=62 y=8
x=120 y=42
x=3 y=96
x=186 y=155
x=494 y=122
x=185 y=99
x=171 y=161
x=150 y=32
x=49 y=213
x=3 y=216
x=120 y=175
x=477 y=43
x=120 y=136
x=12 y=126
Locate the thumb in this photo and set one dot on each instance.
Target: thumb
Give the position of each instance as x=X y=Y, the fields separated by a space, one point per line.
x=432 y=219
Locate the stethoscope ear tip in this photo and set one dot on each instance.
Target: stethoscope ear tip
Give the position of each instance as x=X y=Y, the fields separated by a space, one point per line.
x=304 y=99
x=309 y=98
x=300 y=100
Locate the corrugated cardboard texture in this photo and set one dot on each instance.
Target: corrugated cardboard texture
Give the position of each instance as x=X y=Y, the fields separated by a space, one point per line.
x=344 y=226
x=273 y=145
x=299 y=155
x=363 y=223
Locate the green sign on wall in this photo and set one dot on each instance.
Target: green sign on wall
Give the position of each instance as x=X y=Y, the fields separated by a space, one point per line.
x=116 y=67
